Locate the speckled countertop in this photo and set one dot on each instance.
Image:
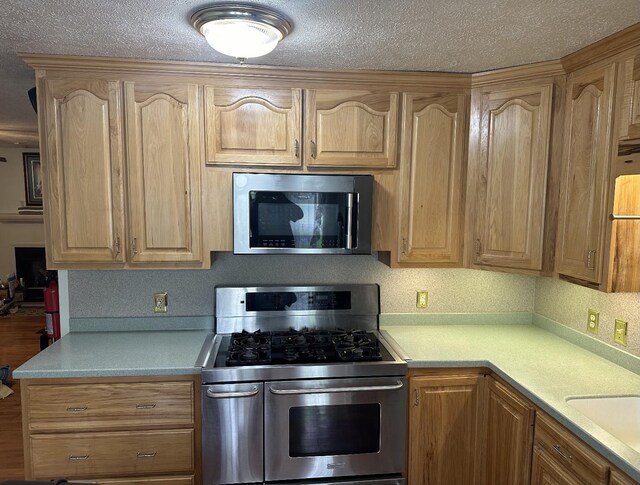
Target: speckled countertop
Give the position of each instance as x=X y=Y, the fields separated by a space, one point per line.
x=117 y=354
x=543 y=367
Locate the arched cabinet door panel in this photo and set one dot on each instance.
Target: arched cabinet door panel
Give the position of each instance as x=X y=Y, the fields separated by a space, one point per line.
x=586 y=158
x=511 y=176
x=356 y=129
x=253 y=126
x=82 y=171
x=163 y=162
x=432 y=154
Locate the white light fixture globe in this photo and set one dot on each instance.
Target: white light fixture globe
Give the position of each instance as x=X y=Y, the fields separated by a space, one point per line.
x=239 y=30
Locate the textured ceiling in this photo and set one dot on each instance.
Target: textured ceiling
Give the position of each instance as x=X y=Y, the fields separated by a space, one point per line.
x=418 y=35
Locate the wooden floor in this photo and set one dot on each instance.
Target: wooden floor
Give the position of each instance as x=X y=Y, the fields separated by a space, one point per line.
x=19 y=341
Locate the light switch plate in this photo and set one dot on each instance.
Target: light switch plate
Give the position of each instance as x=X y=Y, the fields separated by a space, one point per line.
x=160 y=302
x=592 y=322
x=422 y=299
x=620 y=332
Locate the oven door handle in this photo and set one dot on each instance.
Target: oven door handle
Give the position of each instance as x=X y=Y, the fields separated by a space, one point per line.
x=327 y=390
x=227 y=395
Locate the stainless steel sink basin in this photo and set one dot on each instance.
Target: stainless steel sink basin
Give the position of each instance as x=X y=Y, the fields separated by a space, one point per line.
x=618 y=415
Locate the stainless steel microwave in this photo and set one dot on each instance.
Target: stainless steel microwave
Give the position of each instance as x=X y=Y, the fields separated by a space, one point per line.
x=304 y=214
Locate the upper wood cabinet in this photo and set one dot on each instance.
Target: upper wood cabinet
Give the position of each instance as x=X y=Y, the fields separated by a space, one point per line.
x=253 y=126
x=509 y=419
x=586 y=161
x=351 y=128
x=509 y=163
x=445 y=419
x=431 y=172
x=82 y=168
x=164 y=154
x=630 y=115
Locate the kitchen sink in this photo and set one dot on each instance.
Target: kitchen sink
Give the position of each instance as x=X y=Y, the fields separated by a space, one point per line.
x=618 y=415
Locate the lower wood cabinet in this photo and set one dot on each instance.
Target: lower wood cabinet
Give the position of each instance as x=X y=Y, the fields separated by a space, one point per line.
x=445 y=417
x=118 y=431
x=467 y=427
x=509 y=438
x=560 y=454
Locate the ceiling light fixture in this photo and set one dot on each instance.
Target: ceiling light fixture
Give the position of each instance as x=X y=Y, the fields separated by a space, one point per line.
x=240 y=30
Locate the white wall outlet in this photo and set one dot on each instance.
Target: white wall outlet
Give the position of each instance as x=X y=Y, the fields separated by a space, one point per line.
x=160 y=302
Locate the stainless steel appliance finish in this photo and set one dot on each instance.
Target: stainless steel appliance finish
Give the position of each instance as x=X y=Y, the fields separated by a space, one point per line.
x=340 y=421
x=233 y=415
x=304 y=214
x=333 y=427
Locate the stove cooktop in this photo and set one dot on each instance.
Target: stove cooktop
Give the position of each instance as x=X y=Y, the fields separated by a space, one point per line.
x=301 y=347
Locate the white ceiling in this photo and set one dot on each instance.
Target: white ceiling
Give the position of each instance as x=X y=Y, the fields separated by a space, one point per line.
x=417 y=35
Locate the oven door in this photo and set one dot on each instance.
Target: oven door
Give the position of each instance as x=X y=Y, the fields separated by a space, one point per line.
x=335 y=428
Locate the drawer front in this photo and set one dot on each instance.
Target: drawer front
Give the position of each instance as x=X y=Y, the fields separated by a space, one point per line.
x=112 y=454
x=575 y=456
x=95 y=406
x=145 y=481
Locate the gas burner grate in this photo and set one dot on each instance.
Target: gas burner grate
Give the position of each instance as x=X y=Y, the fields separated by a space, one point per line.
x=305 y=346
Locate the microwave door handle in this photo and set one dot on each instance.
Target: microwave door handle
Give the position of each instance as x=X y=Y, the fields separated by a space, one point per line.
x=329 y=390
x=350 y=197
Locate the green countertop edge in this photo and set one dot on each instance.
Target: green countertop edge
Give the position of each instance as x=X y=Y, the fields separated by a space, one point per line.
x=141 y=324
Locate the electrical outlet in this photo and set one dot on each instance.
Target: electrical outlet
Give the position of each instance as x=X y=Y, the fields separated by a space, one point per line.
x=422 y=299
x=592 y=323
x=620 y=332
x=160 y=302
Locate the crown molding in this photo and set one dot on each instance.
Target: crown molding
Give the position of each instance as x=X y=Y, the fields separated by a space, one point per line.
x=20 y=138
x=602 y=49
x=526 y=72
x=244 y=72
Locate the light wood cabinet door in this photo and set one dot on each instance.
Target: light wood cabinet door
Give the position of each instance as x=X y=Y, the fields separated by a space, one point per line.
x=251 y=126
x=351 y=128
x=509 y=442
x=82 y=169
x=77 y=455
x=444 y=428
x=618 y=478
x=586 y=159
x=630 y=115
x=432 y=151
x=511 y=176
x=163 y=147
x=547 y=471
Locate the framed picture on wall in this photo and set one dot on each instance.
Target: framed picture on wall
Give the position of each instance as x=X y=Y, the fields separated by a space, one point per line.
x=32 y=179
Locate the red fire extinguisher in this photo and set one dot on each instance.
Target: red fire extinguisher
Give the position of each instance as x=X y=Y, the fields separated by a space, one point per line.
x=52 y=309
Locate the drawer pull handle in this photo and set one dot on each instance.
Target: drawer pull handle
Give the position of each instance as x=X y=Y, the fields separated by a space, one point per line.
x=145 y=406
x=78 y=457
x=147 y=455
x=558 y=450
x=77 y=410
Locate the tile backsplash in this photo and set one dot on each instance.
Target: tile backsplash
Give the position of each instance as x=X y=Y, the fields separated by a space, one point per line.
x=129 y=293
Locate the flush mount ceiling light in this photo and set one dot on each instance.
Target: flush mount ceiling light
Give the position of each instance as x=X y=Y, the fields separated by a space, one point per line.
x=240 y=30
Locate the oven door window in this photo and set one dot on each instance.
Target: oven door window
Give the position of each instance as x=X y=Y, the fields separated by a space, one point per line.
x=334 y=430
x=304 y=220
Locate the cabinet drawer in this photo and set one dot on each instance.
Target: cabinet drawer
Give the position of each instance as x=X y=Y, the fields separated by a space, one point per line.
x=95 y=406
x=111 y=454
x=145 y=481
x=568 y=450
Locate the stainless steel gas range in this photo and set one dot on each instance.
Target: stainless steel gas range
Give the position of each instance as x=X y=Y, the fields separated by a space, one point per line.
x=299 y=386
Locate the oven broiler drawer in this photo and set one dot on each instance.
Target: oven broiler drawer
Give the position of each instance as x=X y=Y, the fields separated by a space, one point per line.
x=334 y=428
x=232 y=437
